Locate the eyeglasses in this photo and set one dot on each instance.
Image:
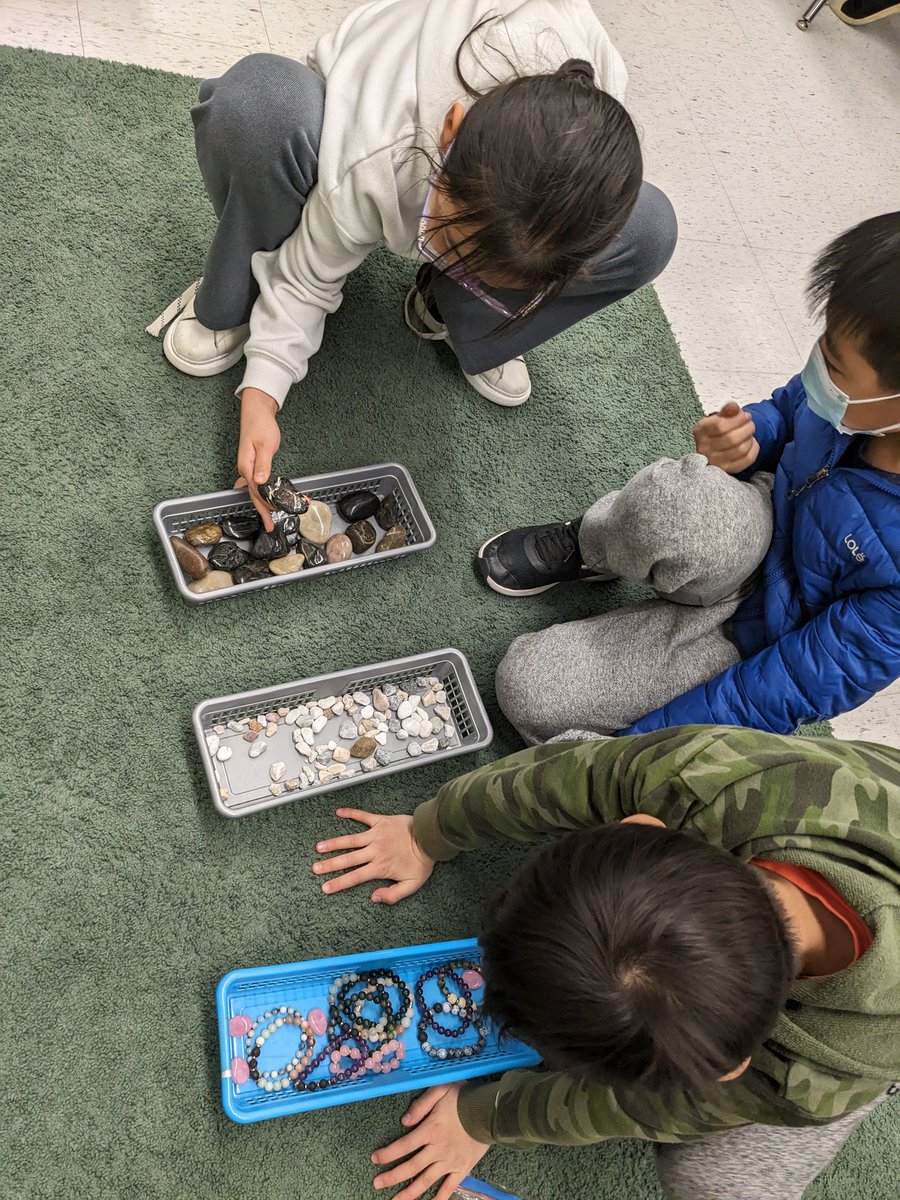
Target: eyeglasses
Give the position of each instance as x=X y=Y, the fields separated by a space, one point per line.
x=458 y=273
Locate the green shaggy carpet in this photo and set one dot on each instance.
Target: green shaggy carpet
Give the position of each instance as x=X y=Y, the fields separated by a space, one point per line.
x=126 y=896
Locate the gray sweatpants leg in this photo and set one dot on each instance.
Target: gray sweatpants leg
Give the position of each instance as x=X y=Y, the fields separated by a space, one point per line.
x=753 y=1162
x=637 y=256
x=257 y=131
x=694 y=534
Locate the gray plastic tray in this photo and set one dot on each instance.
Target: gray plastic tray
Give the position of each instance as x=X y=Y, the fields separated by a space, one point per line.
x=241 y=784
x=174 y=516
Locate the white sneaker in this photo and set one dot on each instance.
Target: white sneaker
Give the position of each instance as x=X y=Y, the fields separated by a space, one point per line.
x=508 y=385
x=196 y=350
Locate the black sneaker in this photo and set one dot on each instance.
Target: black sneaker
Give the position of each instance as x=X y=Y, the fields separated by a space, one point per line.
x=525 y=562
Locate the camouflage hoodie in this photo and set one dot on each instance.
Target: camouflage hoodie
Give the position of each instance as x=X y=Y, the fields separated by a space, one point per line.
x=830 y=806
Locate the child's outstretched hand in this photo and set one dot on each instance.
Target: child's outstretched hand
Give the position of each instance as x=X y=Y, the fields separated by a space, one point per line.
x=386 y=850
x=438 y=1145
x=726 y=439
x=260 y=439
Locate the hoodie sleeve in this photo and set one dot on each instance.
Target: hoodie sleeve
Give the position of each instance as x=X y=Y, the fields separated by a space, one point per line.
x=773 y=421
x=831 y=665
x=299 y=283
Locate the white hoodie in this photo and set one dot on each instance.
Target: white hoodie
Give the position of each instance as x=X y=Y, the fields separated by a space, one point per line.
x=390 y=79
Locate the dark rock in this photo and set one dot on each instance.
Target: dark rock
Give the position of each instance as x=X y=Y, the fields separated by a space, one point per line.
x=206 y=534
x=356 y=506
x=388 y=513
x=395 y=537
x=289 y=524
x=362 y=536
x=256 y=568
x=241 y=528
x=227 y=556
x=270 y=545
x=314 y=555
x=191 y=561
x=281 y=493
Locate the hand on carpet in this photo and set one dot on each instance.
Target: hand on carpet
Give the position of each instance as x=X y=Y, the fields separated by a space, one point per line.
x=439 y=1147
x=726 y=439
x=386 y=850
x=260 y=439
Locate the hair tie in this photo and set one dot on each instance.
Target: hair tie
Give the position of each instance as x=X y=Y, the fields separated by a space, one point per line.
x=578 y=68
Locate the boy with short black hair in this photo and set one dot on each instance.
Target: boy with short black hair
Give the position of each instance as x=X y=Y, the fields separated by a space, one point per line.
x=714 y=946
x=775 y=549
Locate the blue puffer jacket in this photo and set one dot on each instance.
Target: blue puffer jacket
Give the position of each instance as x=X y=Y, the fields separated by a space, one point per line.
x=821 y=632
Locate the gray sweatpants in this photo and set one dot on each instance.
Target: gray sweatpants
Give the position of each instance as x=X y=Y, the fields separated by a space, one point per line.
x=257 y=131
x=695 y=535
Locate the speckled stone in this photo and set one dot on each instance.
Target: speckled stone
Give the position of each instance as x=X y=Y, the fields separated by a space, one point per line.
x=369 y=764
x=191 y=561
x=356 y=506
x=255 y=568
x=348 y=731
x=338 y=548
x=213 y=581
x=206 y=534
x=382 y=757
x=364 y=747
x=388 y=513
x=362 y=536
x=413 y=749
x=315 y=523
x=286 y=565
x=393 y=539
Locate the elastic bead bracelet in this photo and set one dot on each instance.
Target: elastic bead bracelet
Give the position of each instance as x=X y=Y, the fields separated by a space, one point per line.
x=279 y=1078
x=459 y=1004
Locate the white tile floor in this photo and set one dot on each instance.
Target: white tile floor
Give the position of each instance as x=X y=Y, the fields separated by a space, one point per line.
x=768 y=140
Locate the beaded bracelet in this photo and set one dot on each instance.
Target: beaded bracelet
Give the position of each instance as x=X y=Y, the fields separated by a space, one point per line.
x=458 y=1004
x=353 y=1048
x=349 y=995
x=279 y=1078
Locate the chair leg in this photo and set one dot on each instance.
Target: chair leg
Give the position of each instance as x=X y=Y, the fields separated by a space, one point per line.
x=814 y=9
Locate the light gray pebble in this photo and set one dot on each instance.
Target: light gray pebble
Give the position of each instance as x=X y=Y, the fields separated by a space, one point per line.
x=449 y=730
x=348 y=731
x=440 y=696
x=212 y=742
x=309 y=773
x=308 y=736
x=224 y=753
x=393 y=725
x=430 y=746
x=239 y=726
x=319 y=724
x=406 y=709
x=367 y=712
x=291 y=716
x=327 y=702
x=337 y=708
x=401 y=735
x=437 y=725
x=423 y=682
x=277 y=789
x=304 y=721
x=428 y=699
x=390 y=689
x=368 y=764
x=442 y=711
x=394 y=701
x=413 y=749
x=341 y=754
x=361 y=698
x=324 y=755
x=382 y=757
x=412 y=725
x=277 y=771
x=293 y=785
x=219 y=729
x=257 y=749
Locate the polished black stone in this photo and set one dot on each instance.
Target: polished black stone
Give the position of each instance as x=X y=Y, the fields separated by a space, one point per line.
x=362 y=536
x=356 y=506
x=227 y=556
x=241 y=528
x=255 y=568
x=281 y=493
x=314 y=555
x=270 y=545
x=388 y=513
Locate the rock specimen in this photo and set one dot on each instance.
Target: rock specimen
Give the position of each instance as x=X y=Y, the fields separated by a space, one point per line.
x=241 y=528
x=362 y=536
x=227 y=556
x=388 y=513
x=338 y=548
x=257 y=749
x=191 y=561
x=255 y=569
x=395 y=536
x=356 y=506
x=206 y=534
x=314 y=555
x=364 y=747
x=277 y=771
x=289 y=525
x=270 y=545
x=284 y=566
x=315 y=524
x=212 y=581
x=281 y=493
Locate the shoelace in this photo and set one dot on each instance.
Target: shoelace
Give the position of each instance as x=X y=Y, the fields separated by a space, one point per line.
x=557 y=544
x=177 y=306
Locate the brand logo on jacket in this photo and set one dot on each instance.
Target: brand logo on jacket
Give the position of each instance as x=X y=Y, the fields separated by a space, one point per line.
x=853 y=547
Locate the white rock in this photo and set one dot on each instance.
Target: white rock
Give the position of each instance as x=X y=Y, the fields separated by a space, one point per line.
x=442 y=711
x=256 y=749
x=212 y=742
x=315 y=710
x=449 y=730
x=440 y=696
x=428 y=699
x=347 y=699
x=368 y=764
x=366 y=712
x=430 y=746
x=303 y=710
x=219 y=729
x=361 y=698
x=277 y=771
x=338 y=708
x=239 y=726
x=322 y=750
x=271 y=729
x=332 y=745
x=437 y=725
x=291 y=716
x=401 y=735
x=327 y=702
x=381 y=739
x=277 y=789
x=308 y=736
x=412 y=725
x=319 y=724
x=282 y=711
x=413 y=749
x=341 y=754
x=381 y=726
x=224 y=753
x=309 y=773
x=423 y=714
x=350 y=709
x=303 y=748
x=406 y=709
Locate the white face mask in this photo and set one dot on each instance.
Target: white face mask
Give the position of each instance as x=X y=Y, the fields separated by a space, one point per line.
x=827 y=400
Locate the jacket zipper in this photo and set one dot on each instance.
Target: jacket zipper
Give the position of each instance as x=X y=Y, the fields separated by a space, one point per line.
x=820 y=474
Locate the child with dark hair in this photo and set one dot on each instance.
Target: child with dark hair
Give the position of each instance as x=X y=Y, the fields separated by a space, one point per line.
x=484 y=139
x=710 y=944
x=775 y=549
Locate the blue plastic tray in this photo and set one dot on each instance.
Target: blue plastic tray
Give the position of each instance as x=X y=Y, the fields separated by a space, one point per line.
x=304 y=985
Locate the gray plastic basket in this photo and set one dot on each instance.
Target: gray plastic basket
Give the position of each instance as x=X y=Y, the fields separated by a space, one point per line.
x=240 y=785
x=174 y=516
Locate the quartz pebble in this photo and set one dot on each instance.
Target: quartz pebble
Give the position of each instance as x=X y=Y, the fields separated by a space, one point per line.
x=223 y=793
x=292 y=785
x=361 y=698
x=430 y=746
x=369 y=764
x=442 y=711
x=326 y=702
x=341 y=754
x=356 y=506
x=413 y=749
x=206 y=534
x=367 y=712
x=212 y=742
x=224 y=753
x=286 y=565
x=363 y=748
x=291 y=716
x=283 y=712
x=401 y=735
x=381 y=739
x=428 y=699
x=309 y=773
x=412 y=725
x=315 y=523
x=238 y=726
x=277 y=789
x=338 y=548
x=191 y=561
x=271 y=730
x=449 y=730
x=405 y=709
x=319 y=724
x=437 y=725
x=393 y=539
x=277 y=770
x=308 y=736
x=257 y=749
x=362 y=536
x=219 y=729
